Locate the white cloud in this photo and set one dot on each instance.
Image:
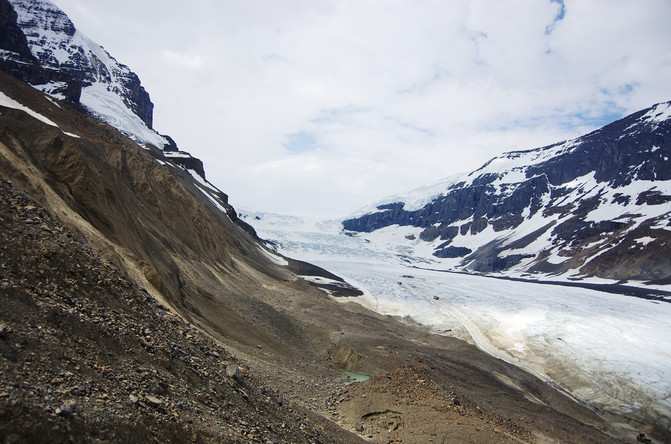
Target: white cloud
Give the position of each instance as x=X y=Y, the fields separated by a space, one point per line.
x=380 y=97
x=186 y=60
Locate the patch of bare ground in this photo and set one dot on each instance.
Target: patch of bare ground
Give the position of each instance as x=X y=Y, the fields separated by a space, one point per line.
x=409 y=405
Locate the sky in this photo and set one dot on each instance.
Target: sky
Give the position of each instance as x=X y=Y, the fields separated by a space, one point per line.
x=320 y=107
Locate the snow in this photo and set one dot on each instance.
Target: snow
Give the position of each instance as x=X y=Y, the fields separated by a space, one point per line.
x=209 y=190
x=415 y=199
x=608 y=211
x=111 y=109
x=645 y=240
x=214 y=201
x=658 y=113
x=275 y=258
x=51 y=89
x=11 y=103
x=511 y=166
x=176 y=154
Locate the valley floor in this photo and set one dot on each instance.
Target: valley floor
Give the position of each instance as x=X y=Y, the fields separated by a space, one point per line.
x=607 y=350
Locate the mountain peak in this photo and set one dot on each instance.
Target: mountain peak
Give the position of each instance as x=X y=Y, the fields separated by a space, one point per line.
x=69 y=66
x=595 y=206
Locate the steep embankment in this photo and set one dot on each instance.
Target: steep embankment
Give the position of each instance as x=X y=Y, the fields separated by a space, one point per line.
x=88 y=356
x=145 y=216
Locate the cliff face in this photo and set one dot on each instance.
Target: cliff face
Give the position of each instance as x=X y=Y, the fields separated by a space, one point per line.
x=17 y=59
x=41 y=46
x=57 y=45
x=598 y=205
x=12 y=38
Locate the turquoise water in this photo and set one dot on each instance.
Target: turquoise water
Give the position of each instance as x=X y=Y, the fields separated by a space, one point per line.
x=355 y=377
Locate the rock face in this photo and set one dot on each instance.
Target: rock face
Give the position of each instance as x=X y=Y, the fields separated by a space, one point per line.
x=40 y=45
x=12 y=38
x=56 y=43
x=598 y=205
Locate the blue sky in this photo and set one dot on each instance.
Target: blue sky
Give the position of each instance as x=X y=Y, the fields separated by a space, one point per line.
x=321 y=107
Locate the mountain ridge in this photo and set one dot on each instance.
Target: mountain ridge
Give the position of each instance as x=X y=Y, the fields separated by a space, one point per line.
x=594 y=206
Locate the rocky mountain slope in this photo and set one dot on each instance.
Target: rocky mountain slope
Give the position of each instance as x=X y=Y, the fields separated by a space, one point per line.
x=88 y=356
x=130 y=289
x=596 y=206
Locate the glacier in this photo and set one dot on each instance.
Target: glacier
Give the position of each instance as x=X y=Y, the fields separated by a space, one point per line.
x=609 y=351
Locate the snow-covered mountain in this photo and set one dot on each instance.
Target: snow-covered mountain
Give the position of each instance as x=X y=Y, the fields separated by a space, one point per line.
x=598 y=206
x=40 y=45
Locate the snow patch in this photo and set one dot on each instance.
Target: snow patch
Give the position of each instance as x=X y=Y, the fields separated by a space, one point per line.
x=52 y=89
x=110 y=108
x=658 y=113
x=8 y=102
x=644 y=240
x=415 y=199
x=274 y=258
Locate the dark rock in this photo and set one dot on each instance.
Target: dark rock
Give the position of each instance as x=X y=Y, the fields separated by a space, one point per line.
x=652 y=197
x=452 y=252
x=185 y=160
x=478 y=225
x=233 y=371
x=11 y=37
x=5 y=330
x=153 y=401
x=161 y=389
x=66 y=409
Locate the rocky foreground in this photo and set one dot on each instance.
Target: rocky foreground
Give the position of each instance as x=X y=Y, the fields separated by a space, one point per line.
x=88 y=356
